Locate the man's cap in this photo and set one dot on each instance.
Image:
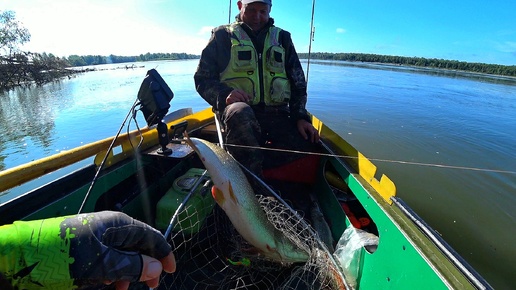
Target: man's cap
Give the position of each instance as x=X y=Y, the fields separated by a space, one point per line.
x=252 y=1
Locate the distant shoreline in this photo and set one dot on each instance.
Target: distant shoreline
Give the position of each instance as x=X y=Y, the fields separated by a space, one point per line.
x=419 y=62
x=413 y=68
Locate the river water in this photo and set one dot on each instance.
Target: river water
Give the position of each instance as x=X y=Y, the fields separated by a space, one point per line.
x=447 y=140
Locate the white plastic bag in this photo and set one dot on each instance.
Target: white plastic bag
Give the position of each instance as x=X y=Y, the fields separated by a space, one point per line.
x=349 y=251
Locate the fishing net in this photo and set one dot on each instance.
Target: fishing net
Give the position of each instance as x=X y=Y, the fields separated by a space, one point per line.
x=211 y=254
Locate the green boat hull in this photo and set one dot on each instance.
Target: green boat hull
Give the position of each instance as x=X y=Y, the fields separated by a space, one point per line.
x=409 y=255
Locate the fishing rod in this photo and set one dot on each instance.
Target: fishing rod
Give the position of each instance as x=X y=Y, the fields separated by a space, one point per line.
x=312 y=33
x=181 y=206
x=110 y=148
x=229 y=12
x=154 y=97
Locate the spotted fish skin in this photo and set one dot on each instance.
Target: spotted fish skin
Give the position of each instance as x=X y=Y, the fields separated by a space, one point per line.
x=235 y=196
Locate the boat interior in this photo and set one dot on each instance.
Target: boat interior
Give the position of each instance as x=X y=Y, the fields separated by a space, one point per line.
x=154 y=176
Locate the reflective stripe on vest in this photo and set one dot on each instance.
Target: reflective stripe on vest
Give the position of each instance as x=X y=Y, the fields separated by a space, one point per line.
x=243 y=72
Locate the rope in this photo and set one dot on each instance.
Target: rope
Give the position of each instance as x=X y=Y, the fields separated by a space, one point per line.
x=379 y=159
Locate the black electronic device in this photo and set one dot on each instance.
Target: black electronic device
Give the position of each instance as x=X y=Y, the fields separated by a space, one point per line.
x=155 y=96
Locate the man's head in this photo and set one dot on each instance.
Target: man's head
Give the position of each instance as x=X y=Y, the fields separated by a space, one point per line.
x=269 y=2
x=255 y=13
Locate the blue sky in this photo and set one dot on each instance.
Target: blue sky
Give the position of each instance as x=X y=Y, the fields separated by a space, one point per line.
x=474 y=31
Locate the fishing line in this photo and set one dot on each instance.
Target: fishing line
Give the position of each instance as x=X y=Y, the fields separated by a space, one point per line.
x=377 y=159
x=94 y=180
x=137 y=128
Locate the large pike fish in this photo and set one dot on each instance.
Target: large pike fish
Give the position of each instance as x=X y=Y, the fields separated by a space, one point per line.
x=234 y=195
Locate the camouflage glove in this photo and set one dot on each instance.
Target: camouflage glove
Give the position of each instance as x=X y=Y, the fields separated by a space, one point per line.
x=76 y=251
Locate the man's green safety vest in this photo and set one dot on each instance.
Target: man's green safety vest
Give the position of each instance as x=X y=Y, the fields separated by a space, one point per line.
x=243 y=71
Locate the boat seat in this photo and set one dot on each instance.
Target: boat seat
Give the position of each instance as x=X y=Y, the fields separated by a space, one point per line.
x=302 y=170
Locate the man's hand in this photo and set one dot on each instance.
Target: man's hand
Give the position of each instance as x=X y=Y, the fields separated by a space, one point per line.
x=151 y=272
x=122 y=250
x=307 y=130
x=83 y=250
x=238 y=95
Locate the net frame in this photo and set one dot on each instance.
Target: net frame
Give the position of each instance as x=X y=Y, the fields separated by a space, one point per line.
x=218 y=257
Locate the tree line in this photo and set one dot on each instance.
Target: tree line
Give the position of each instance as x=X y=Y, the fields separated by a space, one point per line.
x=86 y=60
x=495 y=69
x=21 y=68
x=25 y=68
x=18 y=67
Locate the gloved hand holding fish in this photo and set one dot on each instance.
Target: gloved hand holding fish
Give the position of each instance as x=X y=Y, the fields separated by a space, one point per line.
x=235 y=196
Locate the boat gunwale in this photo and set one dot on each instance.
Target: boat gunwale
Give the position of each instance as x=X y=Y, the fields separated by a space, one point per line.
x=405 y=225
x=418 y=235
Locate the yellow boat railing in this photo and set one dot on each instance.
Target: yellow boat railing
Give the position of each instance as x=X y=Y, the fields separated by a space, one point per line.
x=18 y=175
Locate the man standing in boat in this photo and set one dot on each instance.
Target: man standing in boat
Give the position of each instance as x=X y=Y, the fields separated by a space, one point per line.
x=251 y=74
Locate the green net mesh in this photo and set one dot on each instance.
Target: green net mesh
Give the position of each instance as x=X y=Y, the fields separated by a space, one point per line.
x=216 y=257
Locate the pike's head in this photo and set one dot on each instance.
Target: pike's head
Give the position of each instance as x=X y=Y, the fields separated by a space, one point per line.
x=218 y=163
